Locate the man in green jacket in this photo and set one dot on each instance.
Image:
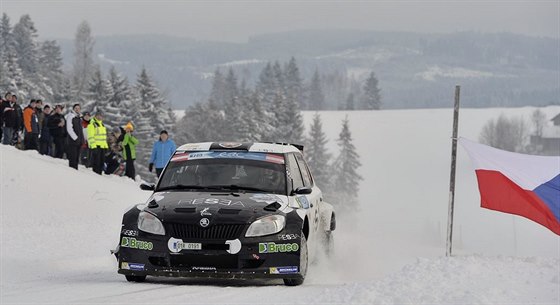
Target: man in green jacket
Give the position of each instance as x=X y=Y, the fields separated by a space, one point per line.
x=129 y=150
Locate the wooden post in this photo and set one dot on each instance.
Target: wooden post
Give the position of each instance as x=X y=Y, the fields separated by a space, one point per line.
x=452 y=176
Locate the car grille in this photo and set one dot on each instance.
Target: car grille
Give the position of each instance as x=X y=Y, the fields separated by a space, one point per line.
x=227 y=261
x=219 y=231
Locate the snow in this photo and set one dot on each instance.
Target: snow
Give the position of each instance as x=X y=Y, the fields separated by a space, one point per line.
x=242 y=62
x=434 y=72
x=179 y=114
x=102 y=57
x=58 y=225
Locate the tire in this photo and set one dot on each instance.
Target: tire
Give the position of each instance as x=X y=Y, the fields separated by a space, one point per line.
x=303 y=262
x=135 y=278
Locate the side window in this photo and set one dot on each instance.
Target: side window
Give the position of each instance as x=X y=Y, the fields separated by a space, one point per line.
x=294 y=172
x=304 y=171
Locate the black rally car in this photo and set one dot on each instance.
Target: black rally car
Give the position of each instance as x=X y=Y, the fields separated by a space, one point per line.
x=233 y=210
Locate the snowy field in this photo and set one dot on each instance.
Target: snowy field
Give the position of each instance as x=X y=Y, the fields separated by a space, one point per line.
x=58 y=226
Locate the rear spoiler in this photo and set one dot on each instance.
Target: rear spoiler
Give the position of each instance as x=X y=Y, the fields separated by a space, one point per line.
x=298 y=146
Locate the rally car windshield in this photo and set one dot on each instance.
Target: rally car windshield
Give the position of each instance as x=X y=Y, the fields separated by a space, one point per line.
x=251 y=172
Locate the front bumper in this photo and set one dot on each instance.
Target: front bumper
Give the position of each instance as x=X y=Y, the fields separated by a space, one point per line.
x=274 y=256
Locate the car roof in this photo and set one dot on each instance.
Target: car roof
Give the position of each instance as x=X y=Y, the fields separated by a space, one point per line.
x=277 y=148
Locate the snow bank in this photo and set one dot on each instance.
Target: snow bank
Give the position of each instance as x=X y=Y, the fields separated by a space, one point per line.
x=58 y=225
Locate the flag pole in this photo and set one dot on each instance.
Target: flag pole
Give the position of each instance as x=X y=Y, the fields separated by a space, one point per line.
x=452 y=175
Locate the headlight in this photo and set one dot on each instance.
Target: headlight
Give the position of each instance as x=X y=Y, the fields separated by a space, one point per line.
x=150 y=223
x=266 y=226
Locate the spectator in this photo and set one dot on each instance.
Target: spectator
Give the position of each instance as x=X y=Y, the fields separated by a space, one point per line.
x=40 y=114
x=31 y=124
x=7 y=97
x=97 y=142
x=18 y=134
x=45 y=139
x=162 y=152
x=113 y=158
x=9 y=116
x=58 y=131
x=75 y=137
x=129 y=143
x=85 y=152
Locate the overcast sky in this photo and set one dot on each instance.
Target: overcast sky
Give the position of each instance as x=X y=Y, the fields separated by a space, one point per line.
x=238 y=20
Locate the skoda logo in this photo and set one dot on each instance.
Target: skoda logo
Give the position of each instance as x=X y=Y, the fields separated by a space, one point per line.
x=204 y=222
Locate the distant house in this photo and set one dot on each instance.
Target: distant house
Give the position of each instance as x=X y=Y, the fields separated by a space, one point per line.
x=549 y=142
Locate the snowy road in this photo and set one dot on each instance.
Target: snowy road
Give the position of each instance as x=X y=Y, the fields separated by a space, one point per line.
x=58 y=226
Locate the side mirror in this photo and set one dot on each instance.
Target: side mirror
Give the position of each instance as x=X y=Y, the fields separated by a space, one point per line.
x=303 y=190
x=147 y=186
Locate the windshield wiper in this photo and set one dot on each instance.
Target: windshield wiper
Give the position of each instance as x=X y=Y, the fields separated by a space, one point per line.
x=235 y=187
x=186 y=187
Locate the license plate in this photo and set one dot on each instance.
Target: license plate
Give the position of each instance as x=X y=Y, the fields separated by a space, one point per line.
x=192 y=246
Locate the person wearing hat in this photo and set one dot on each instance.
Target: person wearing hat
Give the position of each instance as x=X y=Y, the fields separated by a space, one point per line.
x=57 y=131
x=162 y=152
x=129 y=150
x=75 y=137
x=97 y=142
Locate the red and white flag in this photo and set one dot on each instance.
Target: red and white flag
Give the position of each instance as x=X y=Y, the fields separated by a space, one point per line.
x=519 y=184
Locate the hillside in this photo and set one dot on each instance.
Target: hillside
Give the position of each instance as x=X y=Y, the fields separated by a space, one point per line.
x=414 y=70
x=58 y=225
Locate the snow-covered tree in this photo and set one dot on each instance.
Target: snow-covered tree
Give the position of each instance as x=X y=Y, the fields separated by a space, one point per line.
x=316 y=96
x=51 y=67
x=120 y=89
x=346 y=182
x=98 y=93
x=83 y=67
x=372 y=93
x=294 y=83
x=26 y=46
x=317 y=155
x=267 y=87
x=7 y=42
x=150 y=115
x=538 y=119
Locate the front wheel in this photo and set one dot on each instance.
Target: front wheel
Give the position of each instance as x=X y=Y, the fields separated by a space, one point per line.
x=303 y=261
x=135 y=278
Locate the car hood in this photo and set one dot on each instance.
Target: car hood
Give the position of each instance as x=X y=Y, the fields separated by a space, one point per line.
x=220 y=207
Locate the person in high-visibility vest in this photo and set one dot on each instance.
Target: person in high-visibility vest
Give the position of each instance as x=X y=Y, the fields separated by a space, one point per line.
x=97 y=142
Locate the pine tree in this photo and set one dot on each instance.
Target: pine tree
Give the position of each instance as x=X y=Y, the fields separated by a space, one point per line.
x=279 y=80
x=266 y=86
x=317 y=155
x=26 y=46
x=372 y=93
x=83 y=67
x=294 y=83
x=119 y=87
x=7 y=43
x=51 y=67
x=217 y=93
x=231 y=90
x=316 y=97
x=14 y=75
x=151 y=115
x=346 y=179
x=97 y=95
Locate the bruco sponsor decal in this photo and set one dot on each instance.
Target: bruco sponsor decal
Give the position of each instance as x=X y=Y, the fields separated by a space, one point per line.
x=131 y=242
x=272 y=247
